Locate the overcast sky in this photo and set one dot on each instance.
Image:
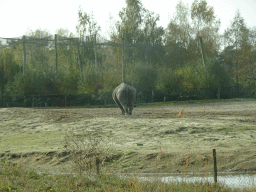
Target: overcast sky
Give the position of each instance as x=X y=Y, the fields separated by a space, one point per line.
x=17 y=16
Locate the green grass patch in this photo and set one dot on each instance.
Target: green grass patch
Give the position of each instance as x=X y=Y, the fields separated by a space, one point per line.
x=31 y=141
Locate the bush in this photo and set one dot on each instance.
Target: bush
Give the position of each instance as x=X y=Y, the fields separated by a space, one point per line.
x=141 y=76
x=32 y=82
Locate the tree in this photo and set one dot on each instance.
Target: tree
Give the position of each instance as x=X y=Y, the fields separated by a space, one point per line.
x=8 y=67
x=37 y=49
x=86 y=26
x=237 y=38
x=179 y=37
x=131 y=20
x=88 y=29
x=206 y=26
x=152 y=38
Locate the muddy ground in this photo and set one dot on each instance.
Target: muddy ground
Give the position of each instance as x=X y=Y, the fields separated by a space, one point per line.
x=153 y=139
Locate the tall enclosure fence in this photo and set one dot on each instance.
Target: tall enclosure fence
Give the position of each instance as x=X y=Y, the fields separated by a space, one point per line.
x=58 y=65
x=50 y=52
x=71 y=71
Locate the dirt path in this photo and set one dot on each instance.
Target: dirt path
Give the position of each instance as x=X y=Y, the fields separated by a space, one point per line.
x=150 y=136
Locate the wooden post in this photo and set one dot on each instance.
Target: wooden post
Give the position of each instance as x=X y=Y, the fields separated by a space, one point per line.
x=123 y=72
x=164 y=99
x=202 y=49
x=56 y=58
x=95 y=52
x=65 y=100
x=24 y=54
x=214 y=166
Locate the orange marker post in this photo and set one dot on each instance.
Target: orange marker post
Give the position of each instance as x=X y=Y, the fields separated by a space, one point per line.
x=180 y=114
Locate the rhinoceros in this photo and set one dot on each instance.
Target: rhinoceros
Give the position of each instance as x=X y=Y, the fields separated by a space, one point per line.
x=125 y=95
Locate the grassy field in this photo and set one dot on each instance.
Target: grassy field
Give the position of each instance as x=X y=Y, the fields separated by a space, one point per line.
x=153 y=140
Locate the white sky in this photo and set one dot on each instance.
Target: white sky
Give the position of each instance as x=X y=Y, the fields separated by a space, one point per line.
x=17 y=16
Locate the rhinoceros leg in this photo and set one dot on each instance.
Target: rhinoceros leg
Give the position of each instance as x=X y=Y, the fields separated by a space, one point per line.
x=131 y=100
x=123 y=97
x=119 y=104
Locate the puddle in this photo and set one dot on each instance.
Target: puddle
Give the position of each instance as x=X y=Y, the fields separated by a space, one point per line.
x=241 y=181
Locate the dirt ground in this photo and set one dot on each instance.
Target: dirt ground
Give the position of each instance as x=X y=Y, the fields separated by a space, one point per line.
x=153 y=139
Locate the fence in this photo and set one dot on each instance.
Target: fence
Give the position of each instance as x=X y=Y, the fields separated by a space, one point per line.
x=62 y=54
x=50 y=46
x=147 y=96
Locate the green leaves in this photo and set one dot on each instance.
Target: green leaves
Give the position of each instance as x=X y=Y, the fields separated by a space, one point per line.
x=86 y=24
x=201 y=13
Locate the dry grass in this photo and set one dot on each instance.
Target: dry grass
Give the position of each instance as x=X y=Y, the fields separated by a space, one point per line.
x=153 y=140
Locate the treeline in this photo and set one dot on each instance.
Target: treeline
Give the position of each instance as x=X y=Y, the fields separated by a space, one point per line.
x=169 y=59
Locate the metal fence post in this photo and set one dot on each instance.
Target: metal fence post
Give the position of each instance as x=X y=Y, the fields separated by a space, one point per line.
x=24 y=54
x=56 y=58
x=214 y=166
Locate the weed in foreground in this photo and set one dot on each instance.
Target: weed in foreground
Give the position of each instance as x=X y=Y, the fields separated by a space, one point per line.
x=88 y=150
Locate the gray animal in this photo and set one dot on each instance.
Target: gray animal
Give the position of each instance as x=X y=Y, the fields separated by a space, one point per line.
x=125 y=95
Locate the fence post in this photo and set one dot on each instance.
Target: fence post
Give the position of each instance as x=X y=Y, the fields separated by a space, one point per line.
x=79 y=56
x=24 y=54
x=214 y=166
x=56 y=58
x=65 y=100
x=123 y=72
x=95 y=52
x=202 y=49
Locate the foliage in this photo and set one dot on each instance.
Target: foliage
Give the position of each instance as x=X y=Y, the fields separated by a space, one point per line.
x=89 y=81
x=87 y=26
x=238 y=54
x=85 y=149
x=154 y=57
x=192 y=78
x=8 y=67
x=142 y=76
x=32 y=82
x=68 y=80
x=169 y=80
